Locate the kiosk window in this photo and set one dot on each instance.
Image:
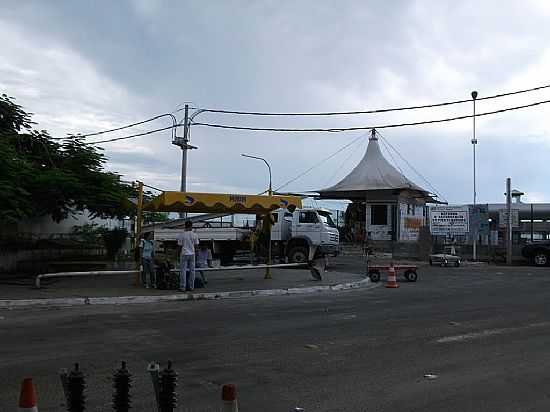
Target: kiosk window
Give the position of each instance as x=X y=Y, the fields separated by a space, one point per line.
x=379 y=214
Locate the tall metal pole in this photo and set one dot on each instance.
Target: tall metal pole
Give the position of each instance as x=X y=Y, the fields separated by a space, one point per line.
x=268 y=220
x=508 y=221
x=474 y=143
x=183 y=186
x=184 y=147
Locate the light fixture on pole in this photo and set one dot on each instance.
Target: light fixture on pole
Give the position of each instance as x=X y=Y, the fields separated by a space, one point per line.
x=270 y=192
x=474 y=144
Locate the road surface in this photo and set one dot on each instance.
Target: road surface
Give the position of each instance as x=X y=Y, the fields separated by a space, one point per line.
x=475 y=338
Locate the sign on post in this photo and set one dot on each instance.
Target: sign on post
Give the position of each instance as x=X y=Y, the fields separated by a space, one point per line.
x=503 y=217
x=449 y=220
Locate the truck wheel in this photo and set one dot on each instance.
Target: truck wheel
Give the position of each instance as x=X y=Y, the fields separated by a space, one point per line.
x=374 y=276
x=298 y=254
x=540 y=259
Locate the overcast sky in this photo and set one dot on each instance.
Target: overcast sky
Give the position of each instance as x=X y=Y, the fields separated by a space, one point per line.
x=84 y=66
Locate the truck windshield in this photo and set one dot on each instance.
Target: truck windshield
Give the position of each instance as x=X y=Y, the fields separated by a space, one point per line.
x=326 y=219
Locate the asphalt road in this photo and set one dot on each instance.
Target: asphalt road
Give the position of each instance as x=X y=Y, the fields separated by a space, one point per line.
x=483 y=332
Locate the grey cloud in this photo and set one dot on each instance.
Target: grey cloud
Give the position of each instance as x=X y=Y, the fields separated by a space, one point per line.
x=303 y=56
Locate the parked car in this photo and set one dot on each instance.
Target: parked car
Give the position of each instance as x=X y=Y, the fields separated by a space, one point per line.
x=448 y=257
x=538 y=253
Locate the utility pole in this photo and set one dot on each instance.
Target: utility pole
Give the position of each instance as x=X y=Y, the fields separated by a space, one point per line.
x=183 y=187
x=183 y=143
x=508 y=221
x=474 y=143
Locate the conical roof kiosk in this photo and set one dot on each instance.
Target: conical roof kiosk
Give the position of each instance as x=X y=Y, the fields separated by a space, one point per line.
x=394 y=205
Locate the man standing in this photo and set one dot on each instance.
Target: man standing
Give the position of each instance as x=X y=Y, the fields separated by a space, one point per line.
x=147 y=248
x=187 y=240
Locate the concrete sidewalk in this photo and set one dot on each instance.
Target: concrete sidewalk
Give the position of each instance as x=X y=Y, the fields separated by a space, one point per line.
x=223 y=284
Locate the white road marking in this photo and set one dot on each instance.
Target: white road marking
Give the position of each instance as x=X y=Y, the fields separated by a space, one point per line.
x=488 y=332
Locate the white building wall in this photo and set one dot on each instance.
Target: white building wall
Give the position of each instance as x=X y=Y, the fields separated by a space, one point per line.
x=45 y=226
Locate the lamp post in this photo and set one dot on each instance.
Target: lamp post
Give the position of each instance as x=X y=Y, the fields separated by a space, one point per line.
x=474 y=143
x=270 y=192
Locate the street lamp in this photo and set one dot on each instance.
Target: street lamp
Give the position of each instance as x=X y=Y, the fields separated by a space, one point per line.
x=270 y=192
x=474 y=143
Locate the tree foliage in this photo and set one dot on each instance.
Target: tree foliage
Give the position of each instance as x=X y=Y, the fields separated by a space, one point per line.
x=41 y=176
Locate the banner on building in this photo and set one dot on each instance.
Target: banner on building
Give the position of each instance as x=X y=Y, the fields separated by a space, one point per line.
x=503 y=217
x=479 y=220
x=449 y=220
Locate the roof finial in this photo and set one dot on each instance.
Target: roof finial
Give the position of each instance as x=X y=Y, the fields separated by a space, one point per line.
x=373 y=134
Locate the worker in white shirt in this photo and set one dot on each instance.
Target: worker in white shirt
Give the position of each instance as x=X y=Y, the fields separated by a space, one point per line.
x=187 y=240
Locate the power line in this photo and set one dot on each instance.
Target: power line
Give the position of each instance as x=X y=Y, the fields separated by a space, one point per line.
x=384 y=110
x=338 y=169
x=392 y=158
x=330 y=130
x=116 y=129
x=319 y=163
x=412 y=167
x=133 y=135
x=349 y=129
x=355 y=112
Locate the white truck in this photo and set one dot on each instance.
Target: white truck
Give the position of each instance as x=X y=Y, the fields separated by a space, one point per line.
x=304 y=234
x=298 y=236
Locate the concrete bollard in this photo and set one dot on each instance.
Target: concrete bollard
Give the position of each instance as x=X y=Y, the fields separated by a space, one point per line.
x=76 y=384
x=122 y=382
x=229 y=398
x=154 y=370
x=167 y=393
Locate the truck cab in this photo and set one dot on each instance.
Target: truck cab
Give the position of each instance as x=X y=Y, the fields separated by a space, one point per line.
x=304 y=234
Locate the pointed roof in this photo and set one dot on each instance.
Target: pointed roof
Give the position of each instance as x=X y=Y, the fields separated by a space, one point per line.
x=373 y=172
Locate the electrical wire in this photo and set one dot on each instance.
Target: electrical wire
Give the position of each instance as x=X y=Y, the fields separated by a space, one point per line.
x=392 y=158
x=153 y=187
x=319 y=163
x=412 y=167
x=343 y=163
x=116 y=129
x=236 y=112
x=394 y=109
x=134 y=135
x=387 y=126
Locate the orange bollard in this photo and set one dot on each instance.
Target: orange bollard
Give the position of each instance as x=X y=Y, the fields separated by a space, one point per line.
x=27 y=399
x=229 y=398
x=392 y=278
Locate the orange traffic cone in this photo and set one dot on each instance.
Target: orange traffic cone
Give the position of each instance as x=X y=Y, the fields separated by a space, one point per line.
x=229 y=398
x=27 y=399
x=392 y=278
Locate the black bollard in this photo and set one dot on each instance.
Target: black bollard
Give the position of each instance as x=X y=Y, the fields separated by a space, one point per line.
x=122 y=382
x=168 y=383
x=76 y=401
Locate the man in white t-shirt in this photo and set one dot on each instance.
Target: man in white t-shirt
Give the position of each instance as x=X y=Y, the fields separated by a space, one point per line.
x=187 y=240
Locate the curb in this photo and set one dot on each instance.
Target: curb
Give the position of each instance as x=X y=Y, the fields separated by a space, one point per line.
x=117 y=300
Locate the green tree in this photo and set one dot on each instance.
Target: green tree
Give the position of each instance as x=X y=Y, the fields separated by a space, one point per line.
x=42 y=176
